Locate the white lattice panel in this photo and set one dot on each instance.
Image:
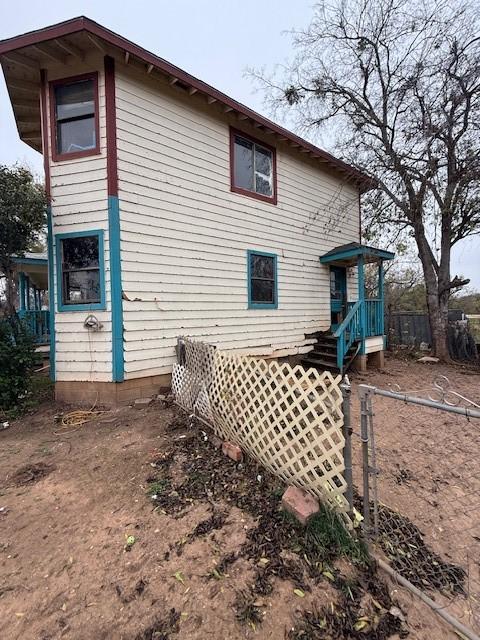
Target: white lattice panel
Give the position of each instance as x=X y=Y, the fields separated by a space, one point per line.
x=288 y=418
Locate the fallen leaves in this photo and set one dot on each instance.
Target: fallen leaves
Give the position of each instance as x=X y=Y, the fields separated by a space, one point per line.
x=130 y=541
x=178 y=575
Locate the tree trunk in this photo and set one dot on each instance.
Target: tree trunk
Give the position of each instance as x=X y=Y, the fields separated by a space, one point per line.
x=437 y=298
x=9 y=291
x=438 y=319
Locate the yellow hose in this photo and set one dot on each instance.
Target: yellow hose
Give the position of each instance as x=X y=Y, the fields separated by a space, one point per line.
x=79 y=417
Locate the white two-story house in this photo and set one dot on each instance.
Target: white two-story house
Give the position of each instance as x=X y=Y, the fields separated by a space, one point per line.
x=175 y=210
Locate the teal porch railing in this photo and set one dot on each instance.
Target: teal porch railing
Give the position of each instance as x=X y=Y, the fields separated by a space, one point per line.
x=373 y=317
x=348 y=332
x=38 y=323
x=364 y=319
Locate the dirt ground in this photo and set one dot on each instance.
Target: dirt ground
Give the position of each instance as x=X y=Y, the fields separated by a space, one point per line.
x=70 y=499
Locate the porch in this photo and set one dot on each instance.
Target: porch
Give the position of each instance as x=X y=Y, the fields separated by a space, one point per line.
x=356 y=318
x=32 y=273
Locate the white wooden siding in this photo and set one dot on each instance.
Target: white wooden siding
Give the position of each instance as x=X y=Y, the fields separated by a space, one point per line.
x=185 y=235
x=79 y=203
x=374 y=344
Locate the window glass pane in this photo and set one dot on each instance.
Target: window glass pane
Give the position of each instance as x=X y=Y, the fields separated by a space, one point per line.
x=337 y=284
x=263 y=185
x=333 y=284
x=263 y=171
x=262 y=290
x=243 y=164
x=76 y=135
x=262 y=266
x=263 y=161
x=81 y=287
x=75 y=100
x=80 y=253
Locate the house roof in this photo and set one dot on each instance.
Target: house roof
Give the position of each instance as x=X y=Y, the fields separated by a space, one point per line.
x=22 y=58
x=348 y=254
x=32 y=258
x=35 y=265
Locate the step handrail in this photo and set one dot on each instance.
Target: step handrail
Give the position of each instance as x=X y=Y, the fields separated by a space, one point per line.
x=341 y=329
x=351 y=323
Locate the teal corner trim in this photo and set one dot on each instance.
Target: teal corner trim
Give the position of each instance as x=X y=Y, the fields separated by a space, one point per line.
x=96 y=306
x=118 y=370
x=51 y=292
x=262 y=305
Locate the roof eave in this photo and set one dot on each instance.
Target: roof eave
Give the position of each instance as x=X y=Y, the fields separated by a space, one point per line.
x=361 y=180
x=355 y=253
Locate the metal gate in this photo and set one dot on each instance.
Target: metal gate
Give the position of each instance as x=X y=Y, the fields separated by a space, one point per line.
x=421 y=497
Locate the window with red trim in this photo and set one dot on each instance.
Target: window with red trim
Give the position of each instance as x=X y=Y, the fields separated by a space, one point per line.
x=74 y=120
x=252 y=167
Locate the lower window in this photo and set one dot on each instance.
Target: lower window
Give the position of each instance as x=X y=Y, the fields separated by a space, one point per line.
x=80 y=273
x=262 y=280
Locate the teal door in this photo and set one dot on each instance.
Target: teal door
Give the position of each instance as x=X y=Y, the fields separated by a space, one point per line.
x=338 y=295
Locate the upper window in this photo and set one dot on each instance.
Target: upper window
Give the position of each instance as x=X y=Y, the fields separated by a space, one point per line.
x=74 y=117
x=80 y=270
x=262 y=280
x=253 y=167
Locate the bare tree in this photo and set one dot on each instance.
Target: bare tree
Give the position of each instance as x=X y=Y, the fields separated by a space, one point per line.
x=401 y=80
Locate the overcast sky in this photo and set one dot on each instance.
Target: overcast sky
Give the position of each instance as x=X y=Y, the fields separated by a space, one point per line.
x=214 y=40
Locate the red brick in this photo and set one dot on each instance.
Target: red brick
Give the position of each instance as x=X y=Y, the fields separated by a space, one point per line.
x=233 y=451
x=300 y=504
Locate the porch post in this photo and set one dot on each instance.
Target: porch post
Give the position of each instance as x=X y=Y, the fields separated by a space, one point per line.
x=27 y=293
x=361 y=297
x=21 y=290
x=381 y=296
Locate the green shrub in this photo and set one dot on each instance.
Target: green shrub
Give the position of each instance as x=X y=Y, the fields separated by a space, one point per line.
x=17 y=361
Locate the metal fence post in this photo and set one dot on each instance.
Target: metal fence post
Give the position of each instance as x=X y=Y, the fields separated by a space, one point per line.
x=180 y=351
x=407 y=559
x=363 y=393
x=347 y=433
x=373 y=471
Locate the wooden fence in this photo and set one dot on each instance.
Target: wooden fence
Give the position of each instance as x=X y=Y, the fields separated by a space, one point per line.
x=411 y=328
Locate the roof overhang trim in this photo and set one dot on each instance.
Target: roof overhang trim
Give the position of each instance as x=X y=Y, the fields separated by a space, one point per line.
x=351 y=256
x=94 y=31
x=30 y=261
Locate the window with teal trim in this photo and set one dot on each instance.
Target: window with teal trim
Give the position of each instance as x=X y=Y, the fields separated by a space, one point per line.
x=80 y=272
x=262 y=280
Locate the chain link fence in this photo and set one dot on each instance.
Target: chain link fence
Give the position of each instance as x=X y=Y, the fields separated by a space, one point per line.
x=419 y=482
x=421 y=494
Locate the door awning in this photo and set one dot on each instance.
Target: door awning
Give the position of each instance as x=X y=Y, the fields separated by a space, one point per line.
x=347 y=255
